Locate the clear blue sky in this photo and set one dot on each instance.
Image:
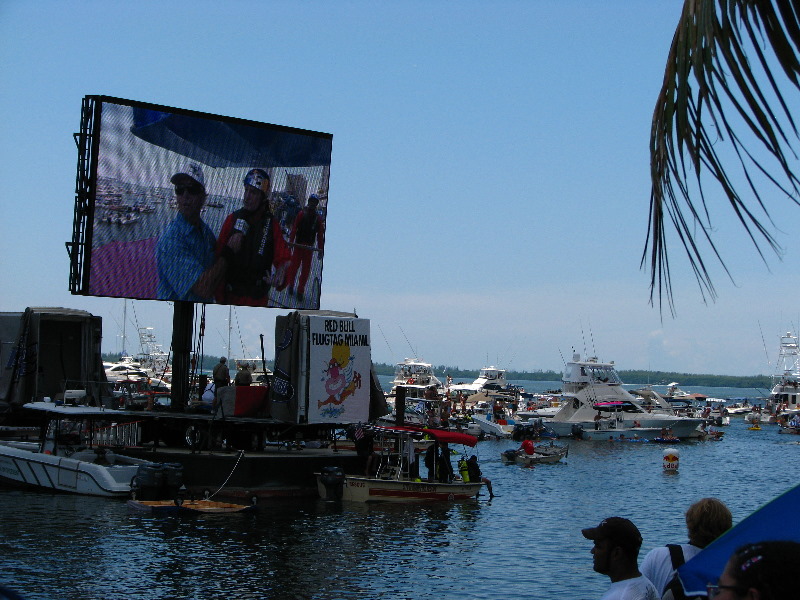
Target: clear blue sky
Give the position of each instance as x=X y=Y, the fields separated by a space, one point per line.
x=489 y=183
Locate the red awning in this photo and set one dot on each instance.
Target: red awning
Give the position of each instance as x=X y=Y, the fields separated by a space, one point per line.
x=451 y=437
x=444 y=436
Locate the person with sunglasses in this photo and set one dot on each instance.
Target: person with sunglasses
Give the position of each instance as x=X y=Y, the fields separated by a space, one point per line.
x=185 y=260
x=759 y=571
x=615 y=552
x=251 y=241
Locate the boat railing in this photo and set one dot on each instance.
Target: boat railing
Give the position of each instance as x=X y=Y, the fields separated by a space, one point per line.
x=119 y=434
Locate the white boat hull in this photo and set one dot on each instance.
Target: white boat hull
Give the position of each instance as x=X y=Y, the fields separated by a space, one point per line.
x=493 y=428
x=603 y=435
x=22 y=464
x=370 y=489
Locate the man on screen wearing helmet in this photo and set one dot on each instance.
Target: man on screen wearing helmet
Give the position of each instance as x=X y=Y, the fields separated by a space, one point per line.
x=188 y=269
x=251 y=241
x=308 y=230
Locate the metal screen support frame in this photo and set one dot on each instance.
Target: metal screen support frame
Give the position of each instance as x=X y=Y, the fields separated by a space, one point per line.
x=76 y=249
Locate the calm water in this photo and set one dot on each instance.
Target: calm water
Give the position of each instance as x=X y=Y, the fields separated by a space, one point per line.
x=525 y=543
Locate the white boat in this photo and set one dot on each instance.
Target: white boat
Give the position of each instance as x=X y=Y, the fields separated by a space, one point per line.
x=260 y=373
x=61 y=460
x=494 y=413
x=786 y=383
x=489 y=378
x=416 y=376
x=124 y=371
x=397 y=478
x=594 y=405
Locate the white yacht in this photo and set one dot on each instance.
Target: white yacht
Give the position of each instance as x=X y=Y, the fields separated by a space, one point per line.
x=786 y=383
x=591 y=389
x=489 y=378
x=416 y=376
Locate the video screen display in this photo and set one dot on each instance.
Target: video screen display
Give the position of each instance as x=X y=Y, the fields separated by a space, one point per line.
x=194 y=207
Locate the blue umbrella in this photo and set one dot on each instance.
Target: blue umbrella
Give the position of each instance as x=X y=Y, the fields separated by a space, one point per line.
x=776 y=520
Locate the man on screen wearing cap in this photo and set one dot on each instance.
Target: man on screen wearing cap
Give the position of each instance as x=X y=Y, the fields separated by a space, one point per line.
x=616 y=550
x=308 y=230
x=251 y=241
x=187 y=267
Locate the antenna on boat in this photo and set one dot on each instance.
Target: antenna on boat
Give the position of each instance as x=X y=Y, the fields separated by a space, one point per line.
x=391 y=352
x=583 y=335
x=765 y=344
x=414 y=352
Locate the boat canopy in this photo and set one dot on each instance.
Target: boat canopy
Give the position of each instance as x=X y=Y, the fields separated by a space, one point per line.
x=444 y=436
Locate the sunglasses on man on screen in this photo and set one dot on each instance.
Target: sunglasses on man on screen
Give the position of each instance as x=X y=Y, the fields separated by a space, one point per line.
x=195 y=190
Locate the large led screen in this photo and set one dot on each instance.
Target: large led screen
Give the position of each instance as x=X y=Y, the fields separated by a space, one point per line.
x=195 y=207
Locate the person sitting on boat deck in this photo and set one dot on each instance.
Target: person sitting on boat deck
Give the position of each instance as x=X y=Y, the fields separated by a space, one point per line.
x=474 y=472
x=759 y=571
x=251 y=240
x=528 y=446
x=616 y=548
x=206 y=401
x=186 y=265
x=243 y=376
x=221 y=374
x=706 y=520
x=445 y=470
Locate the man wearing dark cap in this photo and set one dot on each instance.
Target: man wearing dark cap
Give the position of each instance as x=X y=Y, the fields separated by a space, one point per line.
x=187 y=267
x=616 y=549
x=307 y=236
x=251 y=241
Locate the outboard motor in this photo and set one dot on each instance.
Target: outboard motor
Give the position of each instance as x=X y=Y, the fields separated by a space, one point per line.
x=148 y=481
x=577 y=431
x=173 y=480
x=333 y=480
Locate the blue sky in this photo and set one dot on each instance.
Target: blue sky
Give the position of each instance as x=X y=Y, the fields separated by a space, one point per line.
x=489 y=185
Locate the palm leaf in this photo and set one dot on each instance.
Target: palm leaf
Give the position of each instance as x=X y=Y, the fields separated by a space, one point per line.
x=709 y=81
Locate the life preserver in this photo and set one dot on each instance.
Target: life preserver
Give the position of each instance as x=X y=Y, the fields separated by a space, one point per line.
x=410 y=381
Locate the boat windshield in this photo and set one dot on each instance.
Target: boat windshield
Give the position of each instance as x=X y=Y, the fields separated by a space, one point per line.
x=603 y=373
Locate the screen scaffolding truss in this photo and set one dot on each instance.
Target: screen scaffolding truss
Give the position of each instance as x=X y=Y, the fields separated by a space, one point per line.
x=84 y=190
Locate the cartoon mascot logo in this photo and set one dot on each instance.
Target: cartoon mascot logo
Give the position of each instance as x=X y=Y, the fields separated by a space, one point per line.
x=340 y=380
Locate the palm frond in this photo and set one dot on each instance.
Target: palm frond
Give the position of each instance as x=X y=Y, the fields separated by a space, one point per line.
x=710 y=84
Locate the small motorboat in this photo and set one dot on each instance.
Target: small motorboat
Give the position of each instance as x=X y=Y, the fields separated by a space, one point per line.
x=542 y=455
